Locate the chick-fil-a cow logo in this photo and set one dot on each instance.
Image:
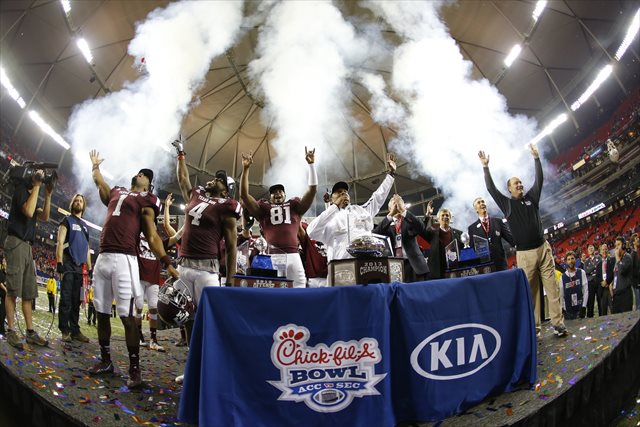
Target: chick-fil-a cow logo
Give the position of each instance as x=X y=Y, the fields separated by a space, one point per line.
x=325 y=378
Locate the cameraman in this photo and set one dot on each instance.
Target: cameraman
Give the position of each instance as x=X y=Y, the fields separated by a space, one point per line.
x=21 y=273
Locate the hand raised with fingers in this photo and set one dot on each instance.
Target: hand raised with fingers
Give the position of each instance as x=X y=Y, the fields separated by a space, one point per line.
x=430 y=207
x=310 y=155
x=534 y=151
x=247 y=159
x=168 y=201
x=95 y=158
x=391 y=163
x=484 y=158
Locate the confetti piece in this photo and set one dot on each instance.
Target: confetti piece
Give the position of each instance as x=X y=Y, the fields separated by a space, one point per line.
x=509 y=412
x=573 y=380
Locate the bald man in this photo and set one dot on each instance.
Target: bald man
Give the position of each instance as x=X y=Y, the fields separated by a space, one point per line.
x=533 y=252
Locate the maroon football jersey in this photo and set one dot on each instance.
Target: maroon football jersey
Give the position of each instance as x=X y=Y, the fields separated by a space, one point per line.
x=280 y=224
x=122 y=227
x=148 y=264
x=204 y=222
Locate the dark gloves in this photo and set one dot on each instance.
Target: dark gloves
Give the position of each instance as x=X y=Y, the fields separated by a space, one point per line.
x=59 y=268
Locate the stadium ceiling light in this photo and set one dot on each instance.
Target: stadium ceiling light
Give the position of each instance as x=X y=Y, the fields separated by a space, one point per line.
x=602 y=76
x=66 y=6
x=632 y=32
x=515 y=51
x=84 y=48
x=538 y=10
x=550 y=128
x=13 y=92
x=47 y=129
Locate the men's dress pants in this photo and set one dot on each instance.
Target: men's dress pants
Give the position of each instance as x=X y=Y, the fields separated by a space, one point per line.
x=539 y=267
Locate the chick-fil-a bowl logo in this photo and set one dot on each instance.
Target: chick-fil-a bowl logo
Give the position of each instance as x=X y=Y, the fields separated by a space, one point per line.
x=325 y=378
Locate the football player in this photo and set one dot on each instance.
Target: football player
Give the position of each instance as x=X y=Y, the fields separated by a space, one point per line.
x=280 y=218
x=115 y=274
x=149 y=267
x=210 y=215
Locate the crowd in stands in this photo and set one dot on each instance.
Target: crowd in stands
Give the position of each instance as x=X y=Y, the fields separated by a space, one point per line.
x=621 y=128
x=604 y=230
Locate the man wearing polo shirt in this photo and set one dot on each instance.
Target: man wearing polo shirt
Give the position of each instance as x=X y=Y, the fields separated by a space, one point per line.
x=533 y=252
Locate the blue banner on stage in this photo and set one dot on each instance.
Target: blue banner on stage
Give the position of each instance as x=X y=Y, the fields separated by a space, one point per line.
x=313 y=357
x=457 y=341
x=357 y=355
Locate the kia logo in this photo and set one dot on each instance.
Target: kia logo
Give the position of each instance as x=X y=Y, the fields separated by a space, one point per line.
x=459 y=350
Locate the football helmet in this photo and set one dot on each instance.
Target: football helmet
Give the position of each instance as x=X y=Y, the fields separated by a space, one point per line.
x=175 y=303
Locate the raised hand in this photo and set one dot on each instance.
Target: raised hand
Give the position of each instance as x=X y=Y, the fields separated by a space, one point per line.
x=534 y=151
x=484 y=158
x=430 y=207
x=168 y=201
x=309 y=155
x=247 y=160
x=179 y=145
x=95 y=158
x=391 y=163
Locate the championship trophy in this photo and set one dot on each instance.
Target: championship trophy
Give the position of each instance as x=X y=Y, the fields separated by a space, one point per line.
x=452 y=255
x=466 y=253
x=261 y=264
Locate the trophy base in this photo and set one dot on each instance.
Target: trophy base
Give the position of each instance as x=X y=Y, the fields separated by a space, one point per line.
x=262 y=272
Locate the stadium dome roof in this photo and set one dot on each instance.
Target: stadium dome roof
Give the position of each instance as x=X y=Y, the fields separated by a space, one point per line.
x=561 y=55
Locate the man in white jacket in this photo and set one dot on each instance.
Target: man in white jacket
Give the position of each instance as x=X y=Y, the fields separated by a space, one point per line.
x=342 y=222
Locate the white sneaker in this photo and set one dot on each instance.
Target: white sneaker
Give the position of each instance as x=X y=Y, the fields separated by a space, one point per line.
x=143 y=343
x=153 y=345
x=180 y=379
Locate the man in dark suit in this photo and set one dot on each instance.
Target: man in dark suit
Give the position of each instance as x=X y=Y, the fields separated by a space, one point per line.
x=438 y=238
x=604 y=276
x=402 y=227
x=493 y=229
x=622 y=279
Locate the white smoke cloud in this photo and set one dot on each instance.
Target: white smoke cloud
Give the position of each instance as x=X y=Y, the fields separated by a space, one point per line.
x=132 y=128
x=305 y=55
x=449 y=116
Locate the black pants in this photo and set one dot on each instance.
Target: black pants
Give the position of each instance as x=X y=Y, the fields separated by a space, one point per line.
x=593 y=297
x=69 y=307
x=91 y=313
x=623 y=301
x=52 y=302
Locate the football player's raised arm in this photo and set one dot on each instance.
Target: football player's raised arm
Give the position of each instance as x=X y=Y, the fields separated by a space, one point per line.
x=167 y=218
x=249 y=202
x=183 y=178
x=307 y=198
x=103 y=188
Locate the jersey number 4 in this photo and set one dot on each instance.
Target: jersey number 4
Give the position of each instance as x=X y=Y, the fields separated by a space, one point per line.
x=196 y=212
x=280 y=215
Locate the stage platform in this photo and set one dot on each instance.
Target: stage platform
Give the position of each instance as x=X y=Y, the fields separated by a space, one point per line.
x=583 y=379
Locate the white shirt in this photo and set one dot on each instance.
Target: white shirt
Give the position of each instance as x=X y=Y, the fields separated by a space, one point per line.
x=336 y=228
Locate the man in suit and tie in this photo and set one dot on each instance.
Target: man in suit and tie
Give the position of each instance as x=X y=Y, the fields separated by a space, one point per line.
x=402 y=227
x=604 y=276
x=622 y=279
x=494 y=230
